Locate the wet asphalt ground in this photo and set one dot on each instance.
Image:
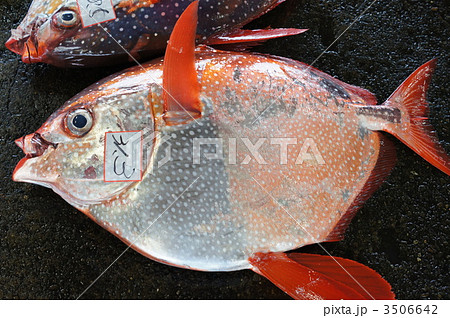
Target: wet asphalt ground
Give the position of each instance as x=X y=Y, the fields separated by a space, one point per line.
x=49 y=250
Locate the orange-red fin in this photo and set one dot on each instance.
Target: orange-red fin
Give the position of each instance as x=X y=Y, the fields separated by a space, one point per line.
x=133 y=5
x=385 y=162
x=415 y=130
x=304 y=281
x=181 y=88
x=359 y=277
x=246 y=36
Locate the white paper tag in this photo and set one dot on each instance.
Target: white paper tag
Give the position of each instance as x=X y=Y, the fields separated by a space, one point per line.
x=123 y=156
x=96 y=11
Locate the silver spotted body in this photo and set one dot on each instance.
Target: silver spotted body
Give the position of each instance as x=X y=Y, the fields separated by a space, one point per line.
x=215 y=214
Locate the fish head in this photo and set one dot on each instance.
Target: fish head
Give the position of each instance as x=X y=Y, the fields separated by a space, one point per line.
x=52 y=32
x=67 y=153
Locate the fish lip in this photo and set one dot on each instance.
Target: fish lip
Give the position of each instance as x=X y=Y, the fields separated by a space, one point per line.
x=29 y=59
x=19 y=166
x=22 y=48
x=15 y=46
x=32 y=54
x=47 y=183
x=34 y=146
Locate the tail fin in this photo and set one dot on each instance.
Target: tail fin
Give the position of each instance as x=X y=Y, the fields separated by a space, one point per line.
x=307 y=276
x=415 y=130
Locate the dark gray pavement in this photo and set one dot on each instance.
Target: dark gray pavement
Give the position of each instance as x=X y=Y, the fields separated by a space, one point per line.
x=49 y=250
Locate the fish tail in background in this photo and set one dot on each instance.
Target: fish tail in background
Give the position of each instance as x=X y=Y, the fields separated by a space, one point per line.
x=414 y=130
x=308 y=276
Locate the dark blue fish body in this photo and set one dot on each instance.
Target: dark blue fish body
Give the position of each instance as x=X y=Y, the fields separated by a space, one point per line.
x=139 y=28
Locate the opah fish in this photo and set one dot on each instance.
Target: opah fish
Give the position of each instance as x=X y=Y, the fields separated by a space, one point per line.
x=73 y=33
x=247 y=157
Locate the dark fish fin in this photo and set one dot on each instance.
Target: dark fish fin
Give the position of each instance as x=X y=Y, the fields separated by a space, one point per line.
x=181 y=88
x=415 y=130
x=363 y=279
x=385 y=163
x=304 y=282
x=250 y=37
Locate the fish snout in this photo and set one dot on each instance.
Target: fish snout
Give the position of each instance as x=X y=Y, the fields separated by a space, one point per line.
x=16 y=46
x=25 y=47
x=33 y=145
x=23 y=40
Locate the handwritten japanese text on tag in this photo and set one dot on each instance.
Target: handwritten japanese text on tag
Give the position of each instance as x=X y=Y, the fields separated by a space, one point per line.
x=96 y=11
x=123 y=156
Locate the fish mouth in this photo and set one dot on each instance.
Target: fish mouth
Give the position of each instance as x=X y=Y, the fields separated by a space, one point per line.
x=15 y=46
x=24 y=41
x=33 y=146
x=25 y=48
x=30 y=168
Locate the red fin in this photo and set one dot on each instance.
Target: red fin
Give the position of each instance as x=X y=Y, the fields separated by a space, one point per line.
x=181 y=88
x=133 y=5
x=385 y=163
x=303 y=282
x=245 y=36
x=415 y=130
x=366 y=281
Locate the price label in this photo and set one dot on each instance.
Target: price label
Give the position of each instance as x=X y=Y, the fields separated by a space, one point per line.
x=123 y=156
x=95 y=11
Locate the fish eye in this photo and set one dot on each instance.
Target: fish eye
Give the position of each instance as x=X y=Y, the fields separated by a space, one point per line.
x=67 y=18
x=79 y=122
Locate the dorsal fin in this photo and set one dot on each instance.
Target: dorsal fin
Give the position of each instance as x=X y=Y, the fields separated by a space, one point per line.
x=181 y=88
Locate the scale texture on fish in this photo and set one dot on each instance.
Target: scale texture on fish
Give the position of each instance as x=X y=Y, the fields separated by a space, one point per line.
x=77 y=33
x=221 y=161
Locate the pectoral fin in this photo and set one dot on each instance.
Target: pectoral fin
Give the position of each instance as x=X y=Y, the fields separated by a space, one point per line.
x=307 y=276
x=251 y=36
